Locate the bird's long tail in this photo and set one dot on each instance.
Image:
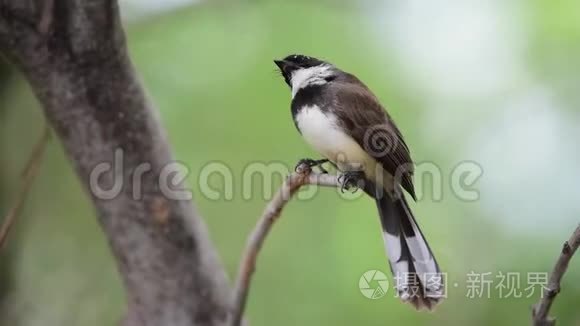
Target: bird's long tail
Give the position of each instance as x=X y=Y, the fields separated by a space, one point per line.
x=417 y=277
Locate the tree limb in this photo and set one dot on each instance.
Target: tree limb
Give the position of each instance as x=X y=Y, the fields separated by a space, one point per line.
x=542 y=308
x=271 y=213
x=73 y=54
x=46 y=17
x=28 y=175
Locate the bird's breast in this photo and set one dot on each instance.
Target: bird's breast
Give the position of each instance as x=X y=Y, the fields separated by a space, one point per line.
x=322 y=131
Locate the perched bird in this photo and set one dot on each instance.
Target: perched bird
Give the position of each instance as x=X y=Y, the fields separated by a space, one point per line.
x=343 y=120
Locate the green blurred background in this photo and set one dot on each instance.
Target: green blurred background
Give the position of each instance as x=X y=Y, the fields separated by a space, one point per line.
x=492 y=82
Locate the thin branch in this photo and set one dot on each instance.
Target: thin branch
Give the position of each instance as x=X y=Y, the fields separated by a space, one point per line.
x=293 y=183
x=28 y=175
x=541 y=309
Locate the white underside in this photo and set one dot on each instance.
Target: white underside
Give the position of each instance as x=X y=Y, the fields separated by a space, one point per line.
x=321 y=131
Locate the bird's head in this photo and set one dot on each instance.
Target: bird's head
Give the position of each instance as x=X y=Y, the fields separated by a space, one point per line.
x=300 y=71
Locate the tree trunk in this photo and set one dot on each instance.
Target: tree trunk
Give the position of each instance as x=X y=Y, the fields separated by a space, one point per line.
x=73 y=54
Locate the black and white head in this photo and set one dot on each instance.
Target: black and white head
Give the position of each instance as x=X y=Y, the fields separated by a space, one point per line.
x=300 y=71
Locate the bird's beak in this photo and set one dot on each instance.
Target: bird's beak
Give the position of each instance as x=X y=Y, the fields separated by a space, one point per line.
x=280 y=63
x=286 y=67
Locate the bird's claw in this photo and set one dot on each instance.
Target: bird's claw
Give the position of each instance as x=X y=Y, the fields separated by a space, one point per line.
x=310 y=163
x=351 y=180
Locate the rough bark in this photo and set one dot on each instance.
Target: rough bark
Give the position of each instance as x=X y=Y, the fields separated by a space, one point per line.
x=73 y=54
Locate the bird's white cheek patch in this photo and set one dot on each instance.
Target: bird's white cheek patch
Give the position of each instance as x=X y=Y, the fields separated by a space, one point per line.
x=302 y=78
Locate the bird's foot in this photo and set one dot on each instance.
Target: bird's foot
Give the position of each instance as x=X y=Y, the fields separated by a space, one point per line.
x=351 y=180
x=310 y=163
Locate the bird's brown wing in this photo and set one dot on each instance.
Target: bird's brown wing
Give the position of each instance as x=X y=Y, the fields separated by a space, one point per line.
x=367 y=122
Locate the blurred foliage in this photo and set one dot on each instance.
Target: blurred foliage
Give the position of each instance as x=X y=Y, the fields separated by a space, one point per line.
x=209 y=70
x=555 y=44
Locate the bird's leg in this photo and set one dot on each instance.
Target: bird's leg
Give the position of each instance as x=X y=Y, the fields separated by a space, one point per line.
x=312 y=163
x=351 y=180
x=322 y=169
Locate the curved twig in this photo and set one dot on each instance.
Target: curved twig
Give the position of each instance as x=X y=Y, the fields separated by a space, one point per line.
x=293 y=183
x=541 y=309
x=28 y=174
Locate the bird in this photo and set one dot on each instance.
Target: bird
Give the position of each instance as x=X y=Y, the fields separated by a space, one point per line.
x=341 y=118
